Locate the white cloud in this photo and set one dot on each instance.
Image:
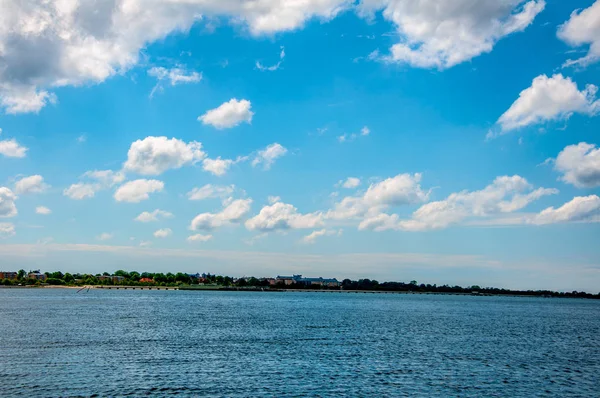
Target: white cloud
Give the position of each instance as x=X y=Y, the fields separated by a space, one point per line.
x=47 y=44
x=7 y=203
x=282 y=216
x=549 y=99
x=163 y=233
x=274 y=67
x=210 y=191
x=217 y=166
x=6 y=230
x=137 y=190
x=24 y=99
x=103 y=179
x=43 y=210
x=229 y=114
x=365 y=131
x=175 y=76
x=155 y=155
x=269 y=155
x=107 y=178
x=583 y=28
x=580 y=209
x=153 y=216
x=273 y=199
x=580 y=165
x=350 y=183
x=12 y=149
x=234 y=211
x=505 y=195
x=199 y=238
x=81 y=191
x=400 y=190
x=31 y=184
x=441 y=34
x=312 y=237
x=104 y=236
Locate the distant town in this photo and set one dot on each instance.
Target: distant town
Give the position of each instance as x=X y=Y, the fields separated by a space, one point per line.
x=186 y=281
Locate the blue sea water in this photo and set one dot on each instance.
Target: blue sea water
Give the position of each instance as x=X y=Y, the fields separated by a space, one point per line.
x=55 y=342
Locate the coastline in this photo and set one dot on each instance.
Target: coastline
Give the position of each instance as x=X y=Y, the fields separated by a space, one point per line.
x=259 y=290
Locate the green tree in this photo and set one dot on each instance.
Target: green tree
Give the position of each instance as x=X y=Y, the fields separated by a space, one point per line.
x=21 y=274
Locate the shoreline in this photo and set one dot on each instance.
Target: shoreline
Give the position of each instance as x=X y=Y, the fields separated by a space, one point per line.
x=259 y=290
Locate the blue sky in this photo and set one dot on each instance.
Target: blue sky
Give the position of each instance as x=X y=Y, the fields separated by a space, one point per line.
x=392 y=139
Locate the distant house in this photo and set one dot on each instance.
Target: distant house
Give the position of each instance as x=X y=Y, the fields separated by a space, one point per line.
x=37 y=275
x=286 y=280
x=147 y=280
x=289 y=280
x=271 y=281
x=8 y=275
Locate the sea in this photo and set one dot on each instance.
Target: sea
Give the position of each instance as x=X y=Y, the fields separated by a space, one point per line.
x=57 y=342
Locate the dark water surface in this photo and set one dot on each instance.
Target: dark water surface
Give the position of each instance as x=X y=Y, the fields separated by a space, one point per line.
x=54 y=342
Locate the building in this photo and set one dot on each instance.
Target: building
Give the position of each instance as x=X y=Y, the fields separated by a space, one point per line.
x=8 y=275
x=289 y=280
x=147 y=280
x=37 y=275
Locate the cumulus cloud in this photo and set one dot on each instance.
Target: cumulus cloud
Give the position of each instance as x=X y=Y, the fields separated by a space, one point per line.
x=81 y=191
x=274 y=67
x=104 y=236
x=153 y=216
x=199 y=238
x=217 y=166
x=210 y=191
x=7 y=203
x=549 y=99
x=12 y=149
x=175 y=76
x=506 y=194
x=155 y=155
x=163 y=233
x=6 y=230
x=43 y=210
x=234 y=211
x=580 y=165
x=47 y=44
x=583 y=28
x=402 y=189
x=228 y=114
x=312 y=237
x=580 y=209
x=282 y=216
x=441 y=34
x=102 y=179
x=350 y=183
x=31 y=184
x=137 y=190
x=269 y=155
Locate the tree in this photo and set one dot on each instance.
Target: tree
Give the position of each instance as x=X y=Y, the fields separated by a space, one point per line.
x=68 y=278
x=21 y=274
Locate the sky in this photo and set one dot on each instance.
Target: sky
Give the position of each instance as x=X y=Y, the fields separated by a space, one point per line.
x=446 y=142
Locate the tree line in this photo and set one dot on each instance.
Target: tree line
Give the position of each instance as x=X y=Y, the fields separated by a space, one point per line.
x=135 y=278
